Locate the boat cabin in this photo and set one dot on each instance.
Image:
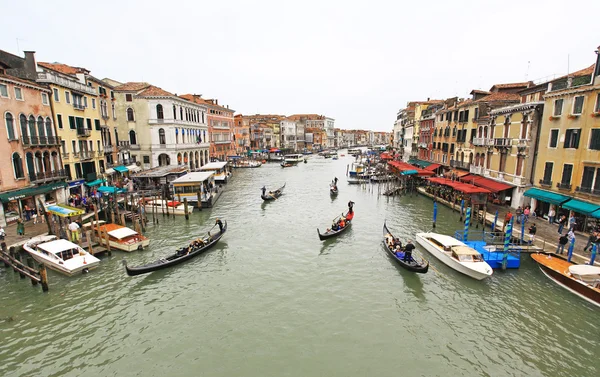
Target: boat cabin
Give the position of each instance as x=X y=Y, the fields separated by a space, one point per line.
x=219 y=169
x=465 y=254
x=294 y=157
x=189 y=185
x=60 y=250
x=155 y=178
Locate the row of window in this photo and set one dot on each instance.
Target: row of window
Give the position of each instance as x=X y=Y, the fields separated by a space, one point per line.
x=19 y=95
x=30 y=127
x=43 y=161
x=577 y=107
x=572 y=138
x=590 y=180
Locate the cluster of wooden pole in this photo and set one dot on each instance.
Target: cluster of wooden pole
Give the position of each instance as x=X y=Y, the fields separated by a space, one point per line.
x=14 y=259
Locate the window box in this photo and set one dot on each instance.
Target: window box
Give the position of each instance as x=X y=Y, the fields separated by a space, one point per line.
x=573 y=116
x=595 y=115
x=553 y=117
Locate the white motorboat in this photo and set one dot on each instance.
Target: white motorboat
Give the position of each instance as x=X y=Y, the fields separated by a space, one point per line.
x=119 y=237
x=455 y=254
x=172 y=206
x=61 y=255
x=293 y=158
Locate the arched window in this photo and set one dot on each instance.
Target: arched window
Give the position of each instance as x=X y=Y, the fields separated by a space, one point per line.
x=49 y=127
x=23 y=121
x=32 y=126
x=30 y=164
x=174 y=112
x=130 y=116
x=161 y=136
x=159 y=112
x=114 y=111
x=10 y=126
x=18 y=166
x=103 y=109
x=40 y=127
x=181 y=113
x=132 y=138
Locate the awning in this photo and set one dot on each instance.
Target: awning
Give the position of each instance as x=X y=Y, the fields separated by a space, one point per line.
x=409 y=172
x=30 y=191
x=456 y=173
x=109 y=171
x=133 y=168
x=64 y=210
x=110 y=190
x=121 y=169
x=463 y=187
x=432 y=167
x=546 y=196
x=420 y=163
x=582 y=207
x=490 y=184
x=95 y=183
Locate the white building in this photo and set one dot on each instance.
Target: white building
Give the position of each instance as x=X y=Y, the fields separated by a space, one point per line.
x=287 y=129
x=329 y=128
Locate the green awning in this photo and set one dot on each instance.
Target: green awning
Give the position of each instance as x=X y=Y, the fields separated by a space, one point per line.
x=596 y=214
x=121 y=169
x=546 y=196
x=420 y=163
x=95 y=183
x=30 y=191
x=582 y=207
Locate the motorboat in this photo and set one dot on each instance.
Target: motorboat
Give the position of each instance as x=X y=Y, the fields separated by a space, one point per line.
x=455 y=254
x=172 y=206
x=580 y=279
x=246 y=164
x=61 y=255
x=119 y=237
x=293 y=158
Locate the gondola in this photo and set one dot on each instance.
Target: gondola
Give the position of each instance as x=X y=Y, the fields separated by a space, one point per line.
x=333 y=233
x=273 y=194
x=333 y=190
x=416 y=264
x=179 y=257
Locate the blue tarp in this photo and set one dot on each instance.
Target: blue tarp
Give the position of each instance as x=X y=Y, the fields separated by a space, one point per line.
x=409 y=172
x=111 y=190
x=121 y=169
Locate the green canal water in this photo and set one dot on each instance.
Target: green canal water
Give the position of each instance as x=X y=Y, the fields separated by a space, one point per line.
x=272 y=300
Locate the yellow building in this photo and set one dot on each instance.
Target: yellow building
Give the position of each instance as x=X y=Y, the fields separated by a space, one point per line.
x=106 y=108
x=567 y=173
x=74 y=102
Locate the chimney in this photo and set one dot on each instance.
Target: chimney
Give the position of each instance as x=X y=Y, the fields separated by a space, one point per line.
x=428 y=99
x=30 y=65
x=216 y=101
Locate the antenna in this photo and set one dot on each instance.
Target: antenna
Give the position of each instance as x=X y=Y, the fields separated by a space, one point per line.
x=527 y=74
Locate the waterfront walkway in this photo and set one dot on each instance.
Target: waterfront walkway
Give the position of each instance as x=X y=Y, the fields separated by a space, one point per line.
x=547 y=234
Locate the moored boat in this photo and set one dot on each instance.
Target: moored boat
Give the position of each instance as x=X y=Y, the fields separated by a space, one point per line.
x=455 y=254
x=580 y=279
x=119 y=237
x=180 y=256
x=272 y=195
x=331 y=232
x=416 y=263
x=61 y=255
x=172 y=206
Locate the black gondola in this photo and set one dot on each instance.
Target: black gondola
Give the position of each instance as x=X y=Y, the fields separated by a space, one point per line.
x=272 y=195
x=179 y=257
x=333 y=233
x=416 y=264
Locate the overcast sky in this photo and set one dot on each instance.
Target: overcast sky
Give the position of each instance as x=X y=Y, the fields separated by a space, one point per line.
x=356 y=61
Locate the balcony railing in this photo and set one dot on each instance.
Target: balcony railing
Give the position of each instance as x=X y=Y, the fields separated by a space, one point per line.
x=423 y=145
x=587 y=190
x=40 y=140
x=503 y=142
x=135 y=147
x=123 y=145
x=108 y=149
x=482 y=141
x=85 y=155
x=48 y=77
x=65 y=155
x=460 y=164
x=47 y=176
x=563 y=185
x=476 y=169
x=545 y=183
x=78 y=106
x=84 y=132
x=522 y=143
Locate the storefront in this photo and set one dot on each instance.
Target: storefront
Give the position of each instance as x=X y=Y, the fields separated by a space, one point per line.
x=15 y=203
x=586 y=214
x=76 y=187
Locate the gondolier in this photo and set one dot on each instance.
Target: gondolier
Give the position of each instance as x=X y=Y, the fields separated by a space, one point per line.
x=350 y=205
x=408 y=248
x=220 y=224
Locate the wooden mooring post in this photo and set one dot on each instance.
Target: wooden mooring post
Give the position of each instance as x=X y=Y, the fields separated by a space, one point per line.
x=185 y=206
x=12 y=258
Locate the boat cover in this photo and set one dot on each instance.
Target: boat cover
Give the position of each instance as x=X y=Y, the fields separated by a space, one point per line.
x=122 y=233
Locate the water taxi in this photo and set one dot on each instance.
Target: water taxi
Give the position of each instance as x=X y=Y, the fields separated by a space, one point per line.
x=172 y=206
x=61 y=255
x=455 y=254
x=203 y=182
x=119 y=237
x=219 y=169
x=580 y=279
x=293 y=158
x=246 y=164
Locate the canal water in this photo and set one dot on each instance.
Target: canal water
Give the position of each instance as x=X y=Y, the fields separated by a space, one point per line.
x=272 y=300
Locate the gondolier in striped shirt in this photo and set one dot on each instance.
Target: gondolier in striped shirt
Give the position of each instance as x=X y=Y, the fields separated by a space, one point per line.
x=350 y=205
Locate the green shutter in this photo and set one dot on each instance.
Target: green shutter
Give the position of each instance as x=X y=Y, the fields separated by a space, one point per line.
x=72 y=123
x=59 y=119
x=97 y=124
x=89 y=123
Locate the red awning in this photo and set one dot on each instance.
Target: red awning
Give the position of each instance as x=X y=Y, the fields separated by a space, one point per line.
x=490 y=184
x=404 y=166
x=462 y=187
x=432 y=167
x=456 y=173
x=386 y=156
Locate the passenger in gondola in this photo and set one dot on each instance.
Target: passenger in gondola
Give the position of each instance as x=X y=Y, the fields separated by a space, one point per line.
x=408 y=248
x=342 y=222
x=335 y=226
x=220 y=224
x=398 y=243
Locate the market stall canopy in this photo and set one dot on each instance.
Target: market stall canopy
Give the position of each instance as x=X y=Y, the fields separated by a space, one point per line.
x=109 y=171
x=30 y=191
x=64 y=210
x=121 y=169
x=433 y=167
x=582 y=207
x=111 y=190
x=95 y=183
x=133 y=168
x=456 y=173
x=490 y=184
x=546 y=196
x=409 y=172
x=402 y=166
x=385 y=156
x=274 y=150
x=462 y=187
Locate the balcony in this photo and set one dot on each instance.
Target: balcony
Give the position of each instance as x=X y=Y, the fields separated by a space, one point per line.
x=47 y=176
x=460 y=164
x=476 y=170
x=108 y=149
x=503 y=142
x=585 y=190
x=563 y=185
x=65 y=155
x=135 y=147
x=123 y=146
x=482 y=141
x=100 y=153
x=41 y=140
x=523 y=143
x=85 y=155
x=222 y=142
x=48 y=77
x=423 y=145
x=84 y=132
x=78 y=106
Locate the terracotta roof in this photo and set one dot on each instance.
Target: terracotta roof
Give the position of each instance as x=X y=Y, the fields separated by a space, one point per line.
x=514 y=85
x=306 y=116
x=154 y=91
x=465 y=102
x=132 y=86
x=500 y=96
x=582 y=72
x=23 y=81
x=63 y=68
x=476 y=91
x=199 y=100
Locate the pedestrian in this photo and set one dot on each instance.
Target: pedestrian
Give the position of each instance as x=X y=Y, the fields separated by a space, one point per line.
x=2 y=233
x=572 y=221
x=562 y=241
x=519 y=213
x=74 y=228
x=506 y=220
x=532 y=232
x=526 y=213
x=592 y=239
x=551 y=214
x=20 y=228
x=561 y=223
